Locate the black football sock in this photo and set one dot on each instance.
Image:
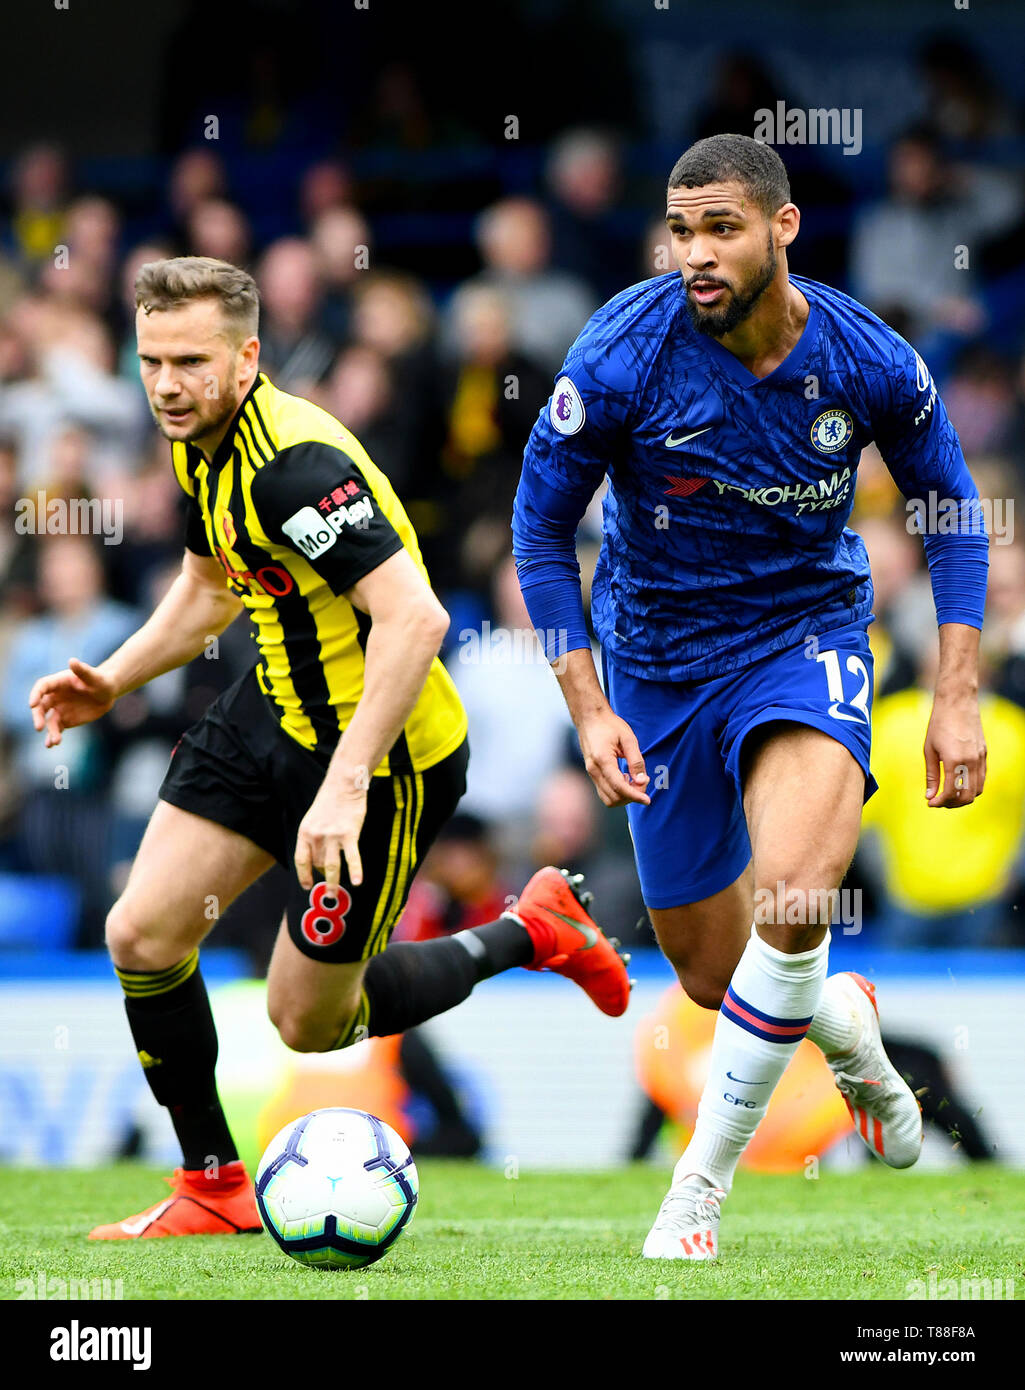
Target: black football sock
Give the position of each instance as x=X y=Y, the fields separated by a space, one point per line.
x=169 y=1015
x=412 y=981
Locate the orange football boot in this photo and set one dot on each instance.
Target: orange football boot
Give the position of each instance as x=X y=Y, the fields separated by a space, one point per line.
x=197 y=1206
x=568 y=941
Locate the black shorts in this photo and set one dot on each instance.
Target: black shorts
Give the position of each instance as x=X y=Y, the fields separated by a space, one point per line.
x=237 y=767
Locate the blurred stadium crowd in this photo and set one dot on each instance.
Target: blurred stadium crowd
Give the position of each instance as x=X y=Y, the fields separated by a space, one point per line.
x=439 y=354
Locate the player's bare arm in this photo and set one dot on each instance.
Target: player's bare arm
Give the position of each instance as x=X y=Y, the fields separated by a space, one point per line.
x=604 y=737
x=954 y=738
x=408 y=625
x=195 y=608
x=280 y=767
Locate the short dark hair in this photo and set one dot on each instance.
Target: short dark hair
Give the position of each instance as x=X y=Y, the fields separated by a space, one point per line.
x=735 y=159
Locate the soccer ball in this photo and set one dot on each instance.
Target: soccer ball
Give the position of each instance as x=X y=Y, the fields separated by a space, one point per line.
x=336 y=1188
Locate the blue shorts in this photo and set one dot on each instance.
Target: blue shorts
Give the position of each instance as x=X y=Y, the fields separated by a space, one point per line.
x=692 y=840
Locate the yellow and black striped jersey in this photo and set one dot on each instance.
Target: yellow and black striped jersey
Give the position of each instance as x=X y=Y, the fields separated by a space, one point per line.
x=297 y=513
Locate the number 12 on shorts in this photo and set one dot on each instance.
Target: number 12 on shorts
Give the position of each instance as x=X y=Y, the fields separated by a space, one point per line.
x=834 y=685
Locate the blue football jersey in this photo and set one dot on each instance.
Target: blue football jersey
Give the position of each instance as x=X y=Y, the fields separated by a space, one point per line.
x=724 y=530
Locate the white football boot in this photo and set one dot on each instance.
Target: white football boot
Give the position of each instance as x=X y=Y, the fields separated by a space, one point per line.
x=883 y=1106
x=687 y=1224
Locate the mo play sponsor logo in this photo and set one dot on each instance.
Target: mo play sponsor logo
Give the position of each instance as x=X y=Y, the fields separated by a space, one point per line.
x=312 y=534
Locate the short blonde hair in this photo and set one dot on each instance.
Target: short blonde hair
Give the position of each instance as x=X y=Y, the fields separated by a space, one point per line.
x=178 y=280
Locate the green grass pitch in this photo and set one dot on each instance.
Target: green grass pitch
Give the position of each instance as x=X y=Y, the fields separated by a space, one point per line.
x=479 y=1235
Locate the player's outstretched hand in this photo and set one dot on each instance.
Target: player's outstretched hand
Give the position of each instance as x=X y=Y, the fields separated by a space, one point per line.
x=955 y=739
x=77 y=695
x=330 y=831
x=604 y=739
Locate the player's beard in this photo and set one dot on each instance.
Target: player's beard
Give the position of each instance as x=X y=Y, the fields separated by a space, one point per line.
x=201 y=427
x=716 y=322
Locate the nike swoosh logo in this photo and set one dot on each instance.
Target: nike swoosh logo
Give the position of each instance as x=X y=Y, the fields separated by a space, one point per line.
x=745 y=1083
x=589 y=934
x=673 y=443
x=136 y=1228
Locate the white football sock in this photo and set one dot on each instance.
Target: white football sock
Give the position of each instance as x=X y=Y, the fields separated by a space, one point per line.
x=767 y=1010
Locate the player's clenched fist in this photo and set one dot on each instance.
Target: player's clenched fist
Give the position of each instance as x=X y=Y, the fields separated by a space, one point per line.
x=604 y=739
x=77 y=695
x=330 y=831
